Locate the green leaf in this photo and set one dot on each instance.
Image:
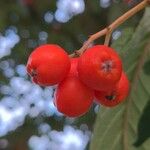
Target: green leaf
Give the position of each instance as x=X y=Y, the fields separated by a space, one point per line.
x=120 y=128
x=143 y=126
x=123 y=40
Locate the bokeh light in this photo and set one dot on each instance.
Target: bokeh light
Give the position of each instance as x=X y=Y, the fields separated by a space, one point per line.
x=25 y=27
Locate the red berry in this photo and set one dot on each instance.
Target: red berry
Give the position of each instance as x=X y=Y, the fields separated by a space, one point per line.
x=100 y=67
x=73 y=69
x=116 y=96
x=48 y=65
x=72 y=97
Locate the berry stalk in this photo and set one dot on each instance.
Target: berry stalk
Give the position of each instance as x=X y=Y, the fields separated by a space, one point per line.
x=108 y=30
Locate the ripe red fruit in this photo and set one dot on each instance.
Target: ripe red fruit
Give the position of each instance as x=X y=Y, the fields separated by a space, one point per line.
x=72 y=97
x=73 y=69
x=116 y=96
x=100 y=67
x=48 y=65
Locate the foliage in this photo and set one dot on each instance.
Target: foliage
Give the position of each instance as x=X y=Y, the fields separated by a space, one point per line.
x=123 y=128
x=129 y=121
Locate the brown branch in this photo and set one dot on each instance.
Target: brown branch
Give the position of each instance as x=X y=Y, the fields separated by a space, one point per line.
x=108 y=30
x=107 y=37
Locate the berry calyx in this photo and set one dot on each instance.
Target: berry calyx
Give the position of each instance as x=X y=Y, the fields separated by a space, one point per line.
x=116 y=96
x=48 y=65
x=100 y=67
x=72 y=97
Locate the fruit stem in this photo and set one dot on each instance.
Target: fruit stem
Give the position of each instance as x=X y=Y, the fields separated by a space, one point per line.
x=107 y=37
x=108 y=30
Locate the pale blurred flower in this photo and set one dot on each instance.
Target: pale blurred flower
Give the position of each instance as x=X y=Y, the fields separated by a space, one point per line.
x=66 y=9
x=7 y=42
x=68 y=139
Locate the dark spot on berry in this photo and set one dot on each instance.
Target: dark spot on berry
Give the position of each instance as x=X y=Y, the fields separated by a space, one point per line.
x=33 y=73
x=110 y=97
x=107 y=66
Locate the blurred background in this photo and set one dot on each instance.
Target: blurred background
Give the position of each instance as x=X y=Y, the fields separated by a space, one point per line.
x=28 y=118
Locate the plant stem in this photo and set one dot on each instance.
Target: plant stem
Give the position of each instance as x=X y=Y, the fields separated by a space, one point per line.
x=108 y=30
x=107 y=38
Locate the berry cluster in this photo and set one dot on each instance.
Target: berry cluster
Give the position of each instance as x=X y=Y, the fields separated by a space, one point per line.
x=96 y=74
